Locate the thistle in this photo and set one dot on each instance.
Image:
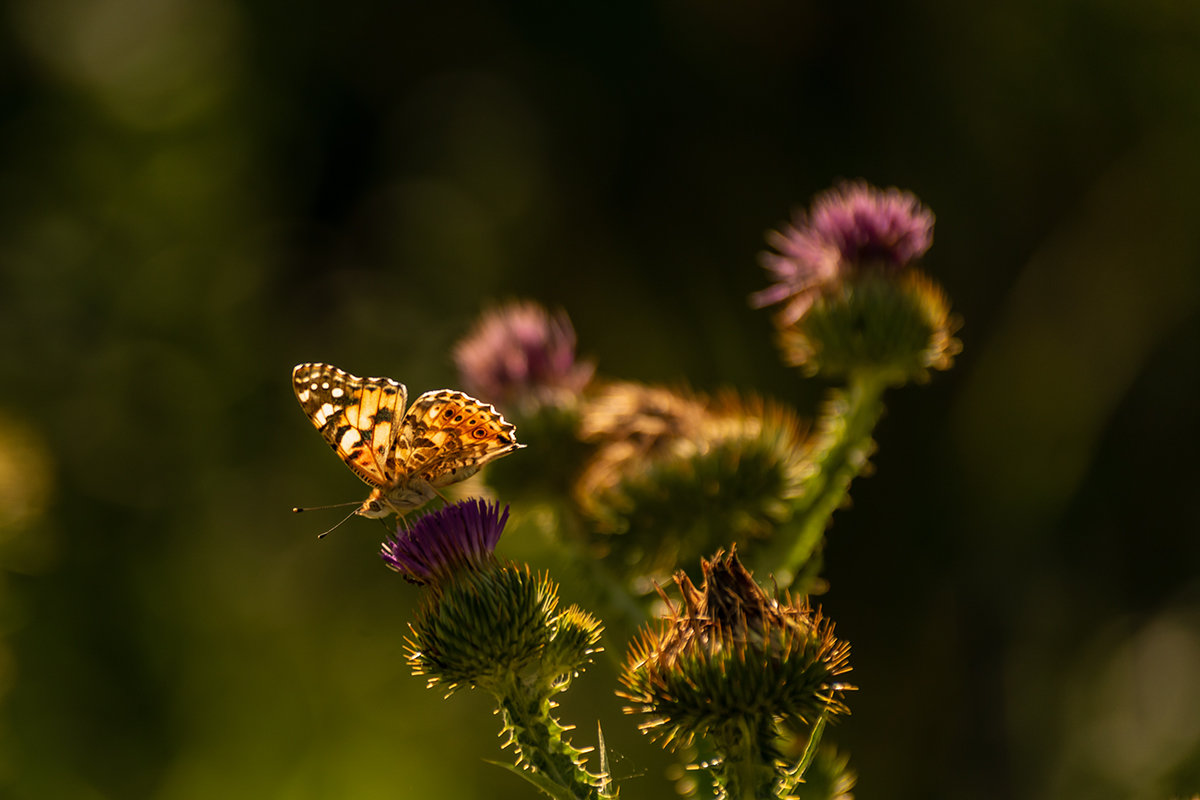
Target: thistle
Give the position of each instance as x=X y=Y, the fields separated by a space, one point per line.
x=850 y=299
x=455 y=539
x=734 y=668
x=678 y=474
x=523 y=358
x=486 y=624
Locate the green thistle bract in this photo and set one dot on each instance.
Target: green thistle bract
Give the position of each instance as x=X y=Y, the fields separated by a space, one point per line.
x=499 y=628
x=896 y=325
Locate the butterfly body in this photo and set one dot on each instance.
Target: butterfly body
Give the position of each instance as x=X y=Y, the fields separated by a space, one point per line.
x=404 y=454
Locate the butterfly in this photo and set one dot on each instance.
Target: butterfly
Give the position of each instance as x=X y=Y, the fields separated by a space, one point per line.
x=404 y=456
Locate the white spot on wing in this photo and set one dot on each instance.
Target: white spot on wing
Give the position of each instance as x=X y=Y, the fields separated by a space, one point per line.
x=349 y=439
x=303 y=396
x=337 y=391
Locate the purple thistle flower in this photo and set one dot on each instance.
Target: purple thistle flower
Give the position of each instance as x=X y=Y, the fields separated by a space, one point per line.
x=520 y=352
x=870 y=226
x=443 y=541
x=852 y=226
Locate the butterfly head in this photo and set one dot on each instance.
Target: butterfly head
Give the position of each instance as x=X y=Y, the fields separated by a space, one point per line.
x=373 y=508
x=398 y=500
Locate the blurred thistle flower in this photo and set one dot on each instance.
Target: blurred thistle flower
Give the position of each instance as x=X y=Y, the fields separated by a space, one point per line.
x=849 y=298
x=868 y=226
x=520 y=356
x=849 y=227
x=677 y=474
x=459 y=536
x=735 y=667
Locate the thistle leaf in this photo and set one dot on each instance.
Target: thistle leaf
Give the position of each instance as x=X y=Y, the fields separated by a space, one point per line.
x=539 y=780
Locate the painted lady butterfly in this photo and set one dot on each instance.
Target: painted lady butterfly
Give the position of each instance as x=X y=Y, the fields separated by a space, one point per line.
x=405 y=456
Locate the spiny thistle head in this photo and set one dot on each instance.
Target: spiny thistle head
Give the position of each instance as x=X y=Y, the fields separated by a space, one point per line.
x=483 y=622
x=849 y=298
x=897 y=327
x=733 y=655
x=501 y=630
x=446 y=541
x=677 y=474
x=522 y=356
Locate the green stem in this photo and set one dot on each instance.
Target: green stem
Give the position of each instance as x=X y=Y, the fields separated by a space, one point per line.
x=541 y=747
x=840 y=452
x=747 y=768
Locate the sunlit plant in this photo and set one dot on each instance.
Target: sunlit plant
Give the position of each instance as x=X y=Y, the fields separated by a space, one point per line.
x=726 y=498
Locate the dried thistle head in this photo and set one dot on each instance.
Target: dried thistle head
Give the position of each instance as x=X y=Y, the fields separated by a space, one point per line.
x=730 y=655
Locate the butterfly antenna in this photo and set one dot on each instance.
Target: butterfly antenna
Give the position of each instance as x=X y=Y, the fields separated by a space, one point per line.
x=299 y=510
x=335 y=527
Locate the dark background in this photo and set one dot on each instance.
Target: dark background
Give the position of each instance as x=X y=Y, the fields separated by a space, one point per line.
x=198 y=194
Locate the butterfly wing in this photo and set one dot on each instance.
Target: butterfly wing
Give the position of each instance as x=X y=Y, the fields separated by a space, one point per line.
x=447 y=436
x=358 y=417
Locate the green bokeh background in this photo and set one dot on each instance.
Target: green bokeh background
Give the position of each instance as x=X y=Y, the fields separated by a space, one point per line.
x=197 y=194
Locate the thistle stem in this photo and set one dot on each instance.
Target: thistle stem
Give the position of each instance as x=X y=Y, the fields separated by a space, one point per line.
x=540 y=746
x=843 y=445
x=747 y=769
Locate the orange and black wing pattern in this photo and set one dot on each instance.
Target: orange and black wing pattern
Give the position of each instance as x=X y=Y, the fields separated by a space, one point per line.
x=358 y=417
x=447 y=436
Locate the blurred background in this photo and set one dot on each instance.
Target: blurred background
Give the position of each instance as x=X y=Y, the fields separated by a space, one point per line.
x=195 y=195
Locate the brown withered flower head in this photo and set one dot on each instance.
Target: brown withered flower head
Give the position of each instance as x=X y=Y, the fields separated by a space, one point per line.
x=732 y=658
